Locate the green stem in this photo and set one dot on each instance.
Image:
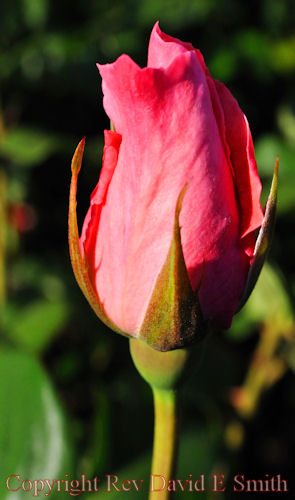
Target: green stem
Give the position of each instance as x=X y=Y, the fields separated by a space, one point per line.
x=165 y=372
x=166 y=434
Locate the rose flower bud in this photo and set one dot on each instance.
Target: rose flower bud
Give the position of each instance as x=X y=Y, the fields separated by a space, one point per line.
x=169 y=245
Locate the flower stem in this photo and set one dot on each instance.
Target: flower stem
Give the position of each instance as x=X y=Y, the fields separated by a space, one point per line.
x=165 y=372
x=166 y=434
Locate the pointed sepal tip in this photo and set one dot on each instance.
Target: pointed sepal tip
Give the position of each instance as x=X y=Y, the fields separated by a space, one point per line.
x=173 y=318
x=79 y=263
x=264 y=239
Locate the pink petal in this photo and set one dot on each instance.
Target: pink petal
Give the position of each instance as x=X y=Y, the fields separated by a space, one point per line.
x=242 y=157
x=170 y=137
x=164 y=48
x=98 y=197
x=233 y=128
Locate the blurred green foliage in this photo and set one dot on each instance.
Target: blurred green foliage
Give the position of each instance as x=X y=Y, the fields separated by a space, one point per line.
x=50 y=97
x=33 y=438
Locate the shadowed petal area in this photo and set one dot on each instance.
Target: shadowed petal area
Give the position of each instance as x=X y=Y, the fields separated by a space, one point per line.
x=90 y=226
x=242 y=157
x=169 y=138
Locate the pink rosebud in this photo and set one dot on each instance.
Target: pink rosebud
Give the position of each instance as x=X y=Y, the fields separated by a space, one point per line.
x=175 y=126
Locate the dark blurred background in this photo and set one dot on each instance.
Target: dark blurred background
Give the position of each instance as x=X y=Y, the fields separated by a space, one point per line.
x=70 y=398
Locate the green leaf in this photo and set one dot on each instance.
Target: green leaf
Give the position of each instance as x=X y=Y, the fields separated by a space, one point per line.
x=34 y=326
x=269 y=302
x=33 y=442
x=175 y=14
x=26 y=147
x=266 y=149
x=97 y=453
x=35 y=13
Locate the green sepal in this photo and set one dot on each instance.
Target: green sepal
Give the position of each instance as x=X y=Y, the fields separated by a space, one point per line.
x=165 y=370
x=173 y=318
x=264 y=239
x=79 y=263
